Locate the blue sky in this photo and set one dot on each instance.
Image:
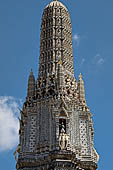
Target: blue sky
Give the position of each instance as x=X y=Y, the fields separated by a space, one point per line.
x=92 y=29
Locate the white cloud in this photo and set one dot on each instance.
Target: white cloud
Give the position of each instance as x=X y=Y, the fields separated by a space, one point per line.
x=83 y=61
x=9 y=124
x=98 y=59
x=76 y=38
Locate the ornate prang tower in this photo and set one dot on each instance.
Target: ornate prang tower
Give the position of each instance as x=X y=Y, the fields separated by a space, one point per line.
x=56 y=130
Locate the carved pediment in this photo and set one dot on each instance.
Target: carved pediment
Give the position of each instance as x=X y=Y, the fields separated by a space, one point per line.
x=63 y=112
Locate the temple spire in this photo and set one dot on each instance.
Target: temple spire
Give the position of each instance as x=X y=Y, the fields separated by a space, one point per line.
x=31 y=85
x=81 y=89
x=56 y=129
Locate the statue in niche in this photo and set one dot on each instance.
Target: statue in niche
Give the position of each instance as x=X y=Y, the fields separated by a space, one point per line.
x=63 y=138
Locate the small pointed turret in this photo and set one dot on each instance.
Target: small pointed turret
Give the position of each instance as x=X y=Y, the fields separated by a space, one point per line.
x=31 y=85
x=81 y=89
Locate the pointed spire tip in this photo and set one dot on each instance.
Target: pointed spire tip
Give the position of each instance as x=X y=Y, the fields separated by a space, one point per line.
x=80 y=76
x=31 y=72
